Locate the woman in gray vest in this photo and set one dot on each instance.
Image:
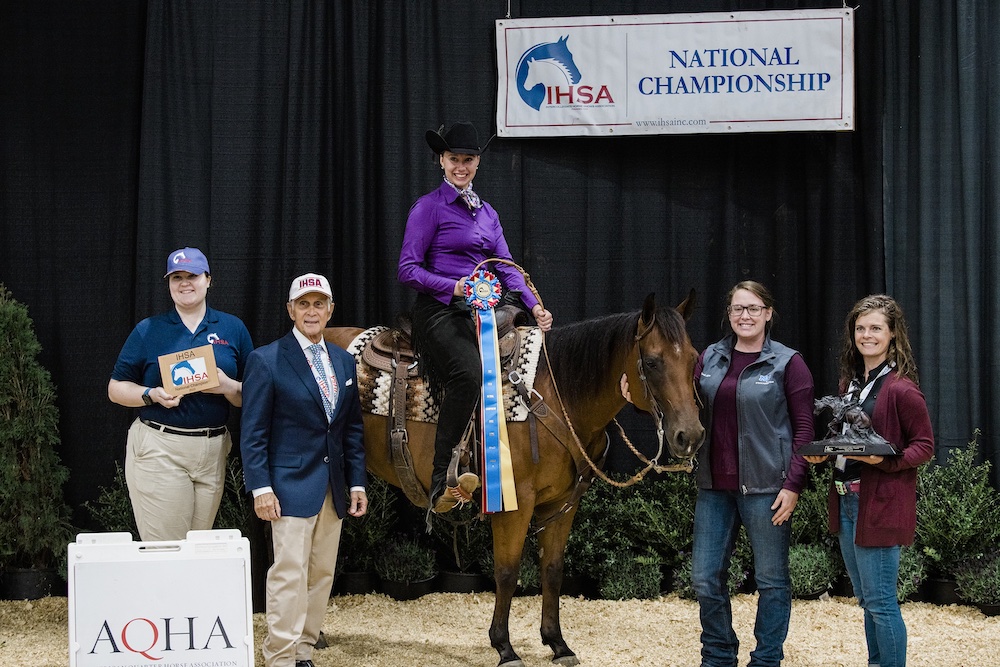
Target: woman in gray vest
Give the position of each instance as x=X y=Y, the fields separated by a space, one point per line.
x=758 y=397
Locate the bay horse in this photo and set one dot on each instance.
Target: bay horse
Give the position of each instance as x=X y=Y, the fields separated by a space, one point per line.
x=578 y=377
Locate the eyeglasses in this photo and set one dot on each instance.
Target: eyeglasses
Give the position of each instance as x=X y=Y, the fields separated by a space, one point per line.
x=737 y=309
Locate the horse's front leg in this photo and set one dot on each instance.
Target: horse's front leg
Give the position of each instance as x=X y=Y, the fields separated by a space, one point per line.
x=509 y=531
x=552 y=544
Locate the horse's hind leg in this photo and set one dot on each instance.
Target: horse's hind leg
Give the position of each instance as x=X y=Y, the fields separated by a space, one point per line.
x=509 y=531
x=552 y=547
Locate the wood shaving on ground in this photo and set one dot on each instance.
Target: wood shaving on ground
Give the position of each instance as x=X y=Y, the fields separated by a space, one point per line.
x=450 y=630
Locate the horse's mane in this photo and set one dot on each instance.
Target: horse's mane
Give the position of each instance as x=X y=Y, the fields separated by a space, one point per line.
x=582 y=353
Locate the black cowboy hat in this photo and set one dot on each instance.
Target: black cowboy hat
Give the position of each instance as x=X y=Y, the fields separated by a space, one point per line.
x=460 y=138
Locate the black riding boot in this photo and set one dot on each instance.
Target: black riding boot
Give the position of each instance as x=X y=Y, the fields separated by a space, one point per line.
x=447 y=343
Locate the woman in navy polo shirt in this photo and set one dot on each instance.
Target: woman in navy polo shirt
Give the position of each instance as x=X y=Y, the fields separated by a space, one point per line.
x=175 y=457
x=448 y=232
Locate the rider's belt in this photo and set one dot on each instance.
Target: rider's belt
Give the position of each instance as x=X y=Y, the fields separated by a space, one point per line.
x=843 y=488
x=176 y=430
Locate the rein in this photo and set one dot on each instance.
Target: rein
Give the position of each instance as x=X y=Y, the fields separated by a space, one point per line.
x=651 y=465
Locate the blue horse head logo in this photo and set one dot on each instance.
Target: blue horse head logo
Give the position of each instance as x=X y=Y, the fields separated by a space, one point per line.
x=181 y=371
x=530 y=85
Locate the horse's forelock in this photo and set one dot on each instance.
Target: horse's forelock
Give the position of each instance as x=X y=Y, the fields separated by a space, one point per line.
x=672 y=324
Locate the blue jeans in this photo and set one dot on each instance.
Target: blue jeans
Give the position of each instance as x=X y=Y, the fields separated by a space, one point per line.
x=874 y=571
x=717 y=518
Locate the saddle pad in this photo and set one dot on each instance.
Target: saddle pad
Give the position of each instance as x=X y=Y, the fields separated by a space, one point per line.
x=374 y=385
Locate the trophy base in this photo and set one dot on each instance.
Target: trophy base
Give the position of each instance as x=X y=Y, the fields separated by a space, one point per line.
x=840 y=445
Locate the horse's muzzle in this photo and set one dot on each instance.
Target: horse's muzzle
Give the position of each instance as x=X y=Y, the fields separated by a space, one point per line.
x=685 y=444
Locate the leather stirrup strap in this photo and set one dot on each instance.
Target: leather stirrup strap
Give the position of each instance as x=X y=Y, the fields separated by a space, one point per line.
x=399 y=450
x=533 y=408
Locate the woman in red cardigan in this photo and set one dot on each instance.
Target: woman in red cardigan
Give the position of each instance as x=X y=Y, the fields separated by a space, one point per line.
x=873 y=499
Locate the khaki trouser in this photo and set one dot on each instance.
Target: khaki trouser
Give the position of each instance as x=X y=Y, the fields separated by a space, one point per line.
x=299 y=583
x=175 y=482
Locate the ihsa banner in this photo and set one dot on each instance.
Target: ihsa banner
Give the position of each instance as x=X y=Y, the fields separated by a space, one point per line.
x=769 y=71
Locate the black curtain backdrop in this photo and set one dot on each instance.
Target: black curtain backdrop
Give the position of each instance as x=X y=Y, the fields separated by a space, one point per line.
x=284 y=137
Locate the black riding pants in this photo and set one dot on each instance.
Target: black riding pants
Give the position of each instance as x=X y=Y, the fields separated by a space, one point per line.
x=446 y=339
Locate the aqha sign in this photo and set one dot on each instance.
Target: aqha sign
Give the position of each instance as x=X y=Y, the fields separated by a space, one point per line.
x=169 y=604
x=676 y=74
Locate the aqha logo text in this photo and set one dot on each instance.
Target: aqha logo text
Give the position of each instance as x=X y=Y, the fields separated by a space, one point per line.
x=152 y=639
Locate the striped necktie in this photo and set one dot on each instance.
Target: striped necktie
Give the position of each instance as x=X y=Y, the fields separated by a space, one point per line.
x=325 y=391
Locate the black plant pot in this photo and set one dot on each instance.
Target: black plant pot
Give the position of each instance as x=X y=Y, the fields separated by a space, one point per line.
x=941 y=591
x=813 y=595
x=843 y=587
x=355 y=583
x=18 y=583
x=575 y=585
x=989 y=609
x=463 y=582
x=526 y=591
x=407 y=590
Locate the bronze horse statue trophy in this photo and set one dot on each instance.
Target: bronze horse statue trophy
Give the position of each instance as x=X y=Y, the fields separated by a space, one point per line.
x=578 y=380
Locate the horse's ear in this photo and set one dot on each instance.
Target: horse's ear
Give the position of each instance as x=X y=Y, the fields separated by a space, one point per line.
x=649 y=309
x=686 y=307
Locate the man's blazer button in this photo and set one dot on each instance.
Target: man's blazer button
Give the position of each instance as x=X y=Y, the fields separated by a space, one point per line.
x=326 y=459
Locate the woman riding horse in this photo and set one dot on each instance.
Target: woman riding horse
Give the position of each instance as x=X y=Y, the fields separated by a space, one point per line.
x=448 y=233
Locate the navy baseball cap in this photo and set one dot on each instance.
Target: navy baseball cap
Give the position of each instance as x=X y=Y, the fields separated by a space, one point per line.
x=191 y=260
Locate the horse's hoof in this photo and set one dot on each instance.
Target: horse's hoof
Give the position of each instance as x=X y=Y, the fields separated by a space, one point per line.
x=566 y=661
x=512 y=663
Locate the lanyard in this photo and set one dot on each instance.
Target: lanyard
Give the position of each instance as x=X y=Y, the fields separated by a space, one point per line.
x=871 y=383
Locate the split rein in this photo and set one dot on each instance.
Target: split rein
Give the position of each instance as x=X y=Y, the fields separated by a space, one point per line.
x=651 y=465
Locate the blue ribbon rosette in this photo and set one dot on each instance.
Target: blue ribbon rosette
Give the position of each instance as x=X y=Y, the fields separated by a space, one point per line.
x=482 y=292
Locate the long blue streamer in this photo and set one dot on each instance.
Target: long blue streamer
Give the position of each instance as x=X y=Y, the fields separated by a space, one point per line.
x=490 y=412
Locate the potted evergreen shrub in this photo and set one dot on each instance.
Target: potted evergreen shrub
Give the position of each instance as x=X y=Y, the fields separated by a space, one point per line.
x=111 y=511
x=362 y=538
x=978 y=582
x=463 y=539
x=406 y=569
x=647 y=525
x=912 y=572
x=631 y=576
x=812 y=568
x=814 y=561
x=36 y=528
x=958 y=517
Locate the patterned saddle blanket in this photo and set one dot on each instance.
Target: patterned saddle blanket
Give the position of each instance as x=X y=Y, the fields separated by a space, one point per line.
x=375 y=384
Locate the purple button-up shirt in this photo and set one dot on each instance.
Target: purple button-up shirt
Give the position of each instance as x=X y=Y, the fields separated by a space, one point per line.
x=444 y=241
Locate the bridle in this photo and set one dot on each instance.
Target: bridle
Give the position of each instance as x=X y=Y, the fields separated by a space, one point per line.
x=654 y=408
x=652 y=465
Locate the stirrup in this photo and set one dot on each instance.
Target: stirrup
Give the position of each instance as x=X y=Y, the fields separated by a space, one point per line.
x=457 y=495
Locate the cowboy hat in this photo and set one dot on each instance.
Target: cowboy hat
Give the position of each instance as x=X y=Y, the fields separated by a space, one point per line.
x=460 y=138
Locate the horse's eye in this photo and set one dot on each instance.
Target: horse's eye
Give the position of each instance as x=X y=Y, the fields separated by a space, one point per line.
x=650 y=363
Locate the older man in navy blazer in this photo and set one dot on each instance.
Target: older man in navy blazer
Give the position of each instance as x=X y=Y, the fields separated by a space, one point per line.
x=303 y=458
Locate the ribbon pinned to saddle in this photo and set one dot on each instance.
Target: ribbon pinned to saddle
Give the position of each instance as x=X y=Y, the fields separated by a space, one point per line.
x=482 y=292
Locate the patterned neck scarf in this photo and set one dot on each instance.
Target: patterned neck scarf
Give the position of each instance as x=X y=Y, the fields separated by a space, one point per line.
x=470 y=197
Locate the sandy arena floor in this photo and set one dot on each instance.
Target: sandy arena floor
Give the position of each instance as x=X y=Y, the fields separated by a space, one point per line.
x=449 y=629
